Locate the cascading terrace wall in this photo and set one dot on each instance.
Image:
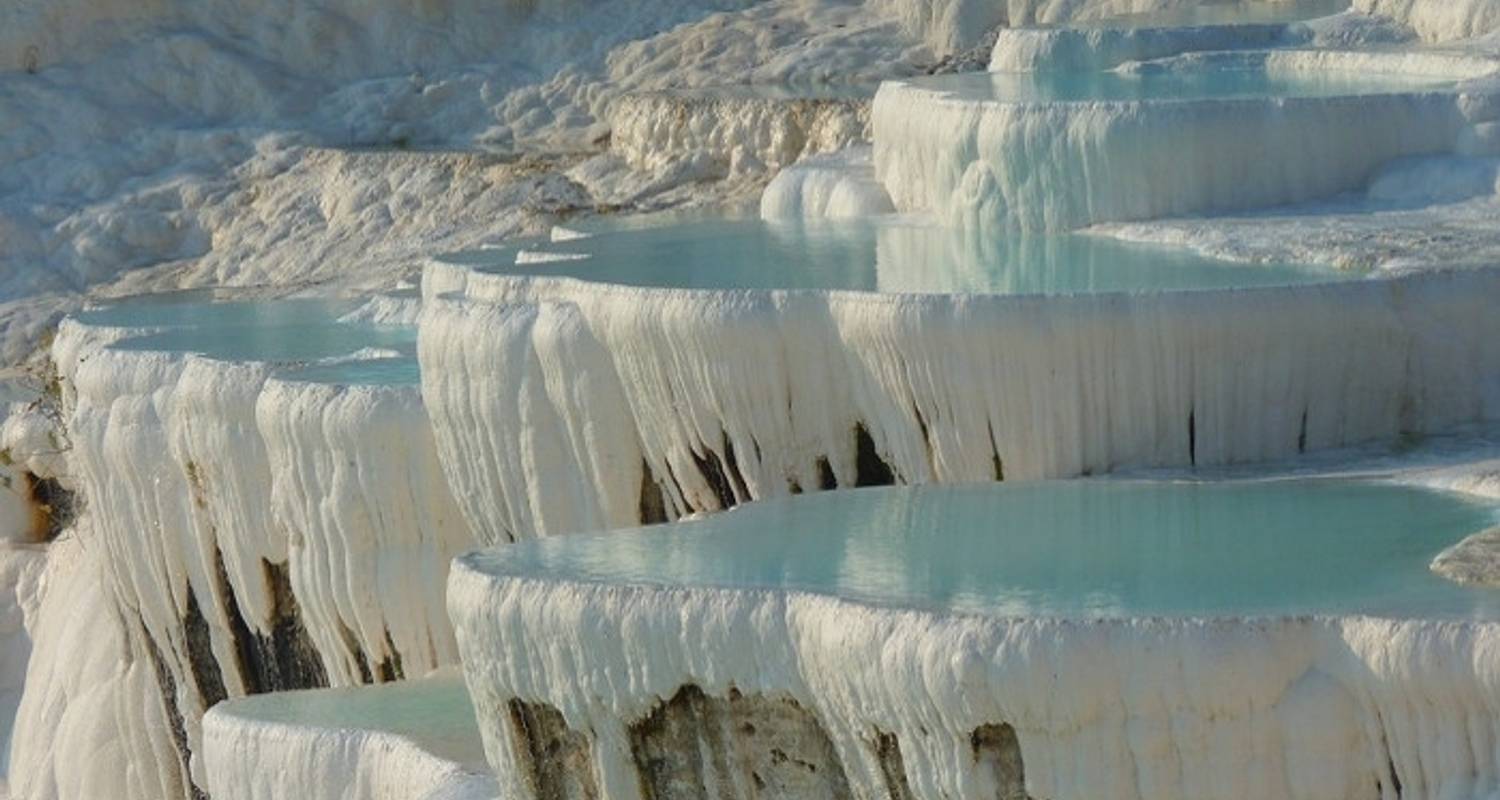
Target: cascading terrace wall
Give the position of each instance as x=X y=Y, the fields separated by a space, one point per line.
x=916 y=704
x=1058 y=166
x=260 y=534
x=645 y=404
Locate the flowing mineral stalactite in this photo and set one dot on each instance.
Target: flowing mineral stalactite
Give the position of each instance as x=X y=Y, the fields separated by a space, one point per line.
x=355 y=476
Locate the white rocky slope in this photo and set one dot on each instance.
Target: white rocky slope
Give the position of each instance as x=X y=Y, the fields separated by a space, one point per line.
x=135 y=135
x=208 y=162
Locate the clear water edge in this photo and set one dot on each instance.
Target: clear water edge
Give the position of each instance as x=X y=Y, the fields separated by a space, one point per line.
x=1092 y=549
x=305 y=336
x=894 y=254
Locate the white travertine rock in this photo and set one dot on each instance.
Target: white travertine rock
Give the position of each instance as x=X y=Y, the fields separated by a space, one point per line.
x=717 y=397
x=653 y=129
x=1475 y=561
x=1059 y=166
x=1280 y=708
x=838 y=185
x=1101 y=48
x=254 y=533
x=1439 y=20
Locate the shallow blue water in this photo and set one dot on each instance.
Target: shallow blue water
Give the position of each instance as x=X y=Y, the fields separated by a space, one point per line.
x=890 y=254
x=400 y=370
x=1063 y=548
x=297 y=330
x=200 y=308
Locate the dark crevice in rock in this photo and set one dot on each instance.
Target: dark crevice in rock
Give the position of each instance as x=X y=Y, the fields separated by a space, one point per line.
x=286 y=658
x=1193 y=438
x=926 y=434
x=653 y=506
x=696 y=747
x=826 y=479
x=200 y=652
x=997 y=755
x=239 y=632
x=712 y=470
x=52 y=507
x=390 y=669
x=869 y=468
x=555 y=758
x=175 y=725
x=361 y=661
x=294 y=662
x=732 y=466
x=887 y=749
x=997 y=466
x=1390 y=762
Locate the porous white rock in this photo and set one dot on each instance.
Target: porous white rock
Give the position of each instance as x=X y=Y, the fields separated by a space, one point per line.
x=21 y=566
x=561 y=234
x=1439 y=20
x=396 y=309
x=1422 y=213
x=1475 y=561
x=524 y=257
x=91 y=722
x=951 y=25
x=838 y=185
x=775 y=128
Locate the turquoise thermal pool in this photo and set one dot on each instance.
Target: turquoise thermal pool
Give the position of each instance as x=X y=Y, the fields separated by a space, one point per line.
x=260 y=330
x=888 y=255
x=1092 y=549
x=400 y=370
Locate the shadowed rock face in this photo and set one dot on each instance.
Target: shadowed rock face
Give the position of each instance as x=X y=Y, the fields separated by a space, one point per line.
x=743 y=746
x=997 y=758
x=887 y=749
x=555 y=758
x=52 y=507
